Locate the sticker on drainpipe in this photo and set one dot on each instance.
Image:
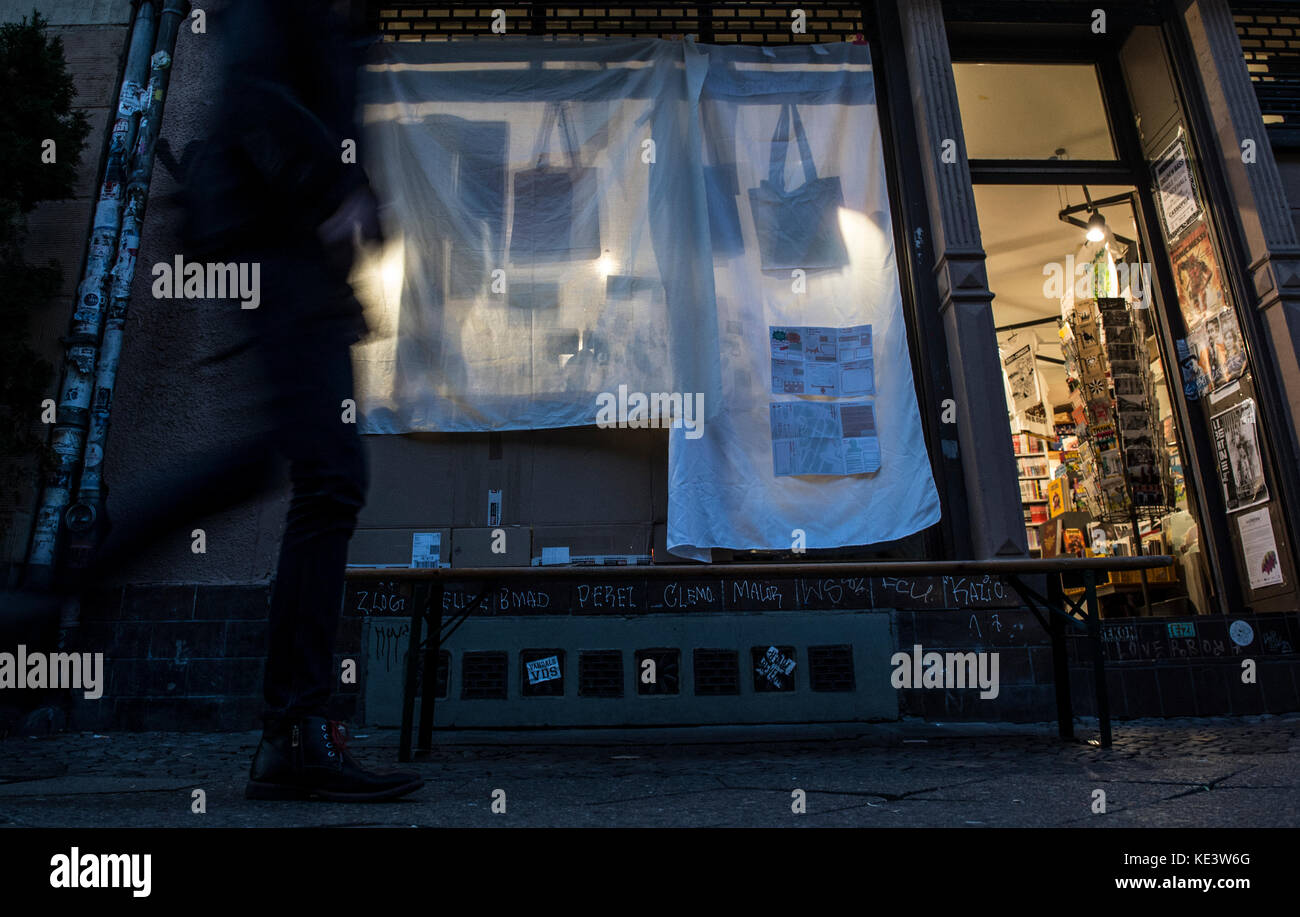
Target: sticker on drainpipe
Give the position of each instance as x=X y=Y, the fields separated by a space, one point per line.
x=494 y=508
x=426 y=548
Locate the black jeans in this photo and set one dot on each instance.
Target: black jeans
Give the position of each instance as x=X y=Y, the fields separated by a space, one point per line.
x=327 y=468
x=304 y=329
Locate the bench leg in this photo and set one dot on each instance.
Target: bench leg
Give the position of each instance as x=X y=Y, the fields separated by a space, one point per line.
x=419 y=603
x=1098 y=656
x=1061 y=674
x=431 y=652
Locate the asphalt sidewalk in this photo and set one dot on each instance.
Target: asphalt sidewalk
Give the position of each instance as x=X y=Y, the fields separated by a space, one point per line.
x=1221 y=772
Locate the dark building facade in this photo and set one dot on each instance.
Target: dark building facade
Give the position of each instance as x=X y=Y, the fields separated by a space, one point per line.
x=1007 y=128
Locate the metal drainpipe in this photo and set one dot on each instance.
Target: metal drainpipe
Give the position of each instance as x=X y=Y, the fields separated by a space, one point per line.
x=81 y=515
x=88 y=312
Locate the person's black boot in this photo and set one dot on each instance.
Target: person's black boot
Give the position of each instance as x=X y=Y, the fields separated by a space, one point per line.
x=307 y=758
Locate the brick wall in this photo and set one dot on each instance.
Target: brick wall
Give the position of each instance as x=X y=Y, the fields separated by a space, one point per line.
x=728 y=22
x=185 y=657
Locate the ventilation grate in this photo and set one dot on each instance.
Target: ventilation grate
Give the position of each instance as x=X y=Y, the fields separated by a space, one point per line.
x=717 y=672
x=600 y=673
x=483 y=676
x=444 y=673
x=662 y=677
x=830 y=668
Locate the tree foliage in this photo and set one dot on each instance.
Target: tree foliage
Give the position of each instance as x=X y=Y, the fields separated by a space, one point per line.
x=36 y=96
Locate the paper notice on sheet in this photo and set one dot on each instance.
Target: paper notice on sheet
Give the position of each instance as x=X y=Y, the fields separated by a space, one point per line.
x=822 y=361
x=426 y=549
x=1260 y=549
x=822 y=438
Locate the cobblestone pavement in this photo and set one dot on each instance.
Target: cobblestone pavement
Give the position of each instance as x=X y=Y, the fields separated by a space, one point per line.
x=1239 y=772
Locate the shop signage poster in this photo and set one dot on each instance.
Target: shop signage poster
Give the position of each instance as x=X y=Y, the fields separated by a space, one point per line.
x=1199 y=279
x=1260 y=549
x=1224 y=348
x=1236 y=447
x=1022 y=378
x=1176 y=189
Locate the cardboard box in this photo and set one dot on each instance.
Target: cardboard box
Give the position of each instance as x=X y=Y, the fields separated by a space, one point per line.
x=584 y=541
x=391 y=547
x=472 y=547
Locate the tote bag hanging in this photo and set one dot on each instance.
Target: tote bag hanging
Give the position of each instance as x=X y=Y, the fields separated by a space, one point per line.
x=556 y=215
x=797 y=228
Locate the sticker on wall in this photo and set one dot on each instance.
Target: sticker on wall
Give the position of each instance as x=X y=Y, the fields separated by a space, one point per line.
x=775 y=667
x=1260 y=549
x=426 y=549
x=1241 y=633
x=546 y=669
x=494 y=508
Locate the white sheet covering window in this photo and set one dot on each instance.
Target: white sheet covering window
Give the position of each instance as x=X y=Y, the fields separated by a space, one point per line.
x=512 y=294
x=537 y=258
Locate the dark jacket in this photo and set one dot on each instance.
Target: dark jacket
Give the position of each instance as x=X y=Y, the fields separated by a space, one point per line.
x=272 y=169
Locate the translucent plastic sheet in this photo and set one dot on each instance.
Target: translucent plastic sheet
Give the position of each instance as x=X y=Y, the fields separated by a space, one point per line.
x=548 y=239
x=573 y=219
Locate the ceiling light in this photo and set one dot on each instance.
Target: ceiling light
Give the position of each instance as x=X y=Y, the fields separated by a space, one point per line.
x=1096 y=227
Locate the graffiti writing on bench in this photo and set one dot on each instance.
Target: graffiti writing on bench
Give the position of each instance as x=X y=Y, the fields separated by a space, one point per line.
x=689 y=595
x=910 y=593
x=835 y=592
x=605 y=596
x=503 y=600
x=975 y=591
x=753 y=593
x=383 y=598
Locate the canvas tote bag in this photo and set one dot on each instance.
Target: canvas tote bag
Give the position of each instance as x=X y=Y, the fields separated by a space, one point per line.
x=556 y=216
x=797 y=228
